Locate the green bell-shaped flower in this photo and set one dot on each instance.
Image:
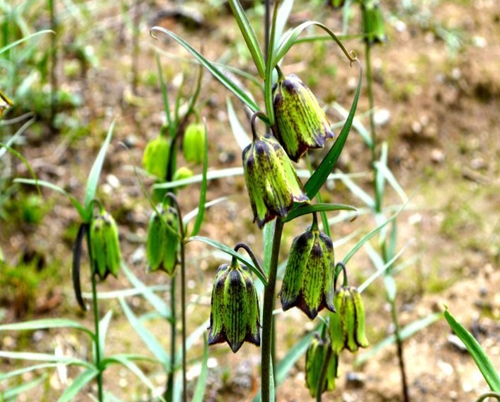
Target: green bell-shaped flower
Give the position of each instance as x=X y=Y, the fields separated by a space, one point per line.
x=271 y=180
x=163 y=240
x=234 y=317
x=156 y=156
x=347 y=326
x=317 y=352
x=302 y=124
x=309 y=277
x=104 y=245
x=373 y=22
x=193 y=146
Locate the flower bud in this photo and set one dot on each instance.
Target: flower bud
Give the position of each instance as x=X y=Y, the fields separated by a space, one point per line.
x=373 y=22
x=104 y=245
x=316 y=354
x=302 y=124
x=163 y=240
x=193 y=146
x=309 y=275
x=156 y=156
x=234 y=317
x=181 y=174
x=347 y=326
x=272 y=184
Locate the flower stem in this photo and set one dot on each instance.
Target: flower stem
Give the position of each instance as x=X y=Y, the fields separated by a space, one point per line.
x=169 y=391
x=267 y=315
x=97 y=345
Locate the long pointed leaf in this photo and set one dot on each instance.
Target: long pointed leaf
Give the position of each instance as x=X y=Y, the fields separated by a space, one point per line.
x=482 y=360
x=78 y=383
x=148 y=338
x=45 y=357
x=12 y=393
x=17 y=42
x=232 y=253
x=229 y=84
x=249 y=36
x=199 y=392
x=24 y=370
x=310 y=208
x=103 y=330
x=45 y=324
x=95 y=172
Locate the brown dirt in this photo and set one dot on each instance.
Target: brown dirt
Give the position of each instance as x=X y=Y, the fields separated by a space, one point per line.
x=443 y=148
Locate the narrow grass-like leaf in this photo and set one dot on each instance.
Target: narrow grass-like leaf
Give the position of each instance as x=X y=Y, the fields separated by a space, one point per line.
x=239 y=132
x=380 y=178
x=24 y=370
x=356 y=123
x=203 y=191
x=134 y=368
x=115 y=294
x=192 y=338
x=75 y=268
x=26 y=38
x=285 y=365
x=482 y=360
x=78 y=383
x=44 y=357
x=192 y=214
x=22 y=158
x=249 y=35
x=305 y=209
x=404 y=334
x=199 y=392
x=159 y=305
x=45 y=323
x=358 y=192
x=319 y=177
x=11 y=394
x=229 y=84
x=79 y=207
x=367 y=237
x=231 y=252
x=95 y=172
x=147 y=337
x=291 y=38
x=283 y=15
x=103 y=330
x=166 y=104
x=385 y=171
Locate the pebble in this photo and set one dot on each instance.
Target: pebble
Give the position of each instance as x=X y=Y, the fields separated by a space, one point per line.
x=138 y=255
x=456 y=342
x=382 y=117
x=355 y=380
x=437 y=156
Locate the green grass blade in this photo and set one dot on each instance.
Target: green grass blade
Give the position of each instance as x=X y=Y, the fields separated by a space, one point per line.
x=159 y=305
x=192 y=338
x=26 y=38
x=232 y=253
x=283 y=15
x=78 y=383
x=319 y=177
x=239 y=132
x=310 y=208
x=103 y=330
x=249 y=36
x=358 y=192
x=166 y=104
x=482 y=360
x=6 y=376
x=294 y=354
x=405 y=333
x=203 y=190
x=45 y=357
x=199 y=392
x=46 y=323
x=57 y=189
x=95 y=172
x=229 y=84
x=13 y=393
x=147 y=337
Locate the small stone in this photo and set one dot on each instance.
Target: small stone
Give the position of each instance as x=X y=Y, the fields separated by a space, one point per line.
x=382 y=117
x=355 y=380
x=456 y=342
x=446 y=368
x=138 y=255
x=437 y=156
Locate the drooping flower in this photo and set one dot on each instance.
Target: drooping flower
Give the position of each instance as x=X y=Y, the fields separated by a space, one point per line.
x=302 y=124
x=317 y=352
x=234 y=317
x=163 y=240
x=309 y=277
x=347 y=326
x=271 y=180
x=193 y=146
x=104 y=245
x=373 y=22
x=156 y=156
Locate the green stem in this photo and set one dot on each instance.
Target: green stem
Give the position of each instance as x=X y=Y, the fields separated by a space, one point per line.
x=267 y=315
x=53 y=61
x=169 y=391
x=378 y=209
x=322 y=377
x=483 y=397
x=97 y=346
